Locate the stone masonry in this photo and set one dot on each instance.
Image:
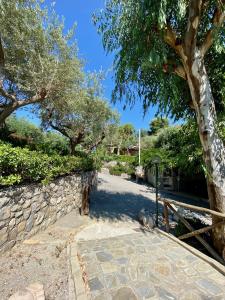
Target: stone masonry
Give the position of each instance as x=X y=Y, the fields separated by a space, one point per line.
x=26 y=209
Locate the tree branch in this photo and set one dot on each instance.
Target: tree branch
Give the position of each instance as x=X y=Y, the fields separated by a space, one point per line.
x=190 y=39
x=98 y=142
x=173 y=41
x=2 y=58
x=217 y=21
x=60 y=129
x=5 y=94
x=179 y=70
x=170 y=37
x=41 y=96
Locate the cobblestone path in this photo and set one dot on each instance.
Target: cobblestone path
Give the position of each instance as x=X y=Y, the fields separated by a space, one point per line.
x=118 y=260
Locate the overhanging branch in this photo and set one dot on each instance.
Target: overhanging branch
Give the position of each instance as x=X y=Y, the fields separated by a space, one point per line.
x=179 y=70
x=6 y=95
x=173 y=41
x=2 y=58
x=60 y=129
x=190 y=39
x=217 y=21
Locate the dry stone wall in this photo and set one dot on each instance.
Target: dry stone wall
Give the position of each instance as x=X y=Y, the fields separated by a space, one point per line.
x=26 y=209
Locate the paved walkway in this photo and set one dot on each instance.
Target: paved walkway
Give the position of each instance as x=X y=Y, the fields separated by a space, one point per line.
x=108 y=255
x=118 y=260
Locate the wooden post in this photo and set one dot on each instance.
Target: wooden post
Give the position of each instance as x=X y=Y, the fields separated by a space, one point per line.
x=166 y=215
x=85 y=201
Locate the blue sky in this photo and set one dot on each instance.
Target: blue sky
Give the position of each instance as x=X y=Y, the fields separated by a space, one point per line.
x=91 y=50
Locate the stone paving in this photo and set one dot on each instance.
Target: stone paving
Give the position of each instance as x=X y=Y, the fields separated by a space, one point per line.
x=118 y=260
x=146 y=265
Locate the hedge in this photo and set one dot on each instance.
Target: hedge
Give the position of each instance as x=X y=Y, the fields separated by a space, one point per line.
x=18 y=165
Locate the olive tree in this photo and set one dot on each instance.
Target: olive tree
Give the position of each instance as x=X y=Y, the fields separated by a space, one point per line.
x=84 y=119
x=171 y=53
x=38 y=62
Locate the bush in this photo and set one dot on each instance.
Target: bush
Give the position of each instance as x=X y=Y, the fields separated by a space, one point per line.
x=19 y=165
x=126 y=158
x=22 y=133
x=120 y=169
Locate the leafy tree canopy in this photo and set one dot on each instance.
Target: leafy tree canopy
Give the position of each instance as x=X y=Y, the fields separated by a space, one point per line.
x=178 y=146
x=38 y=62
x=158 y=123
x=84 y=119
x=23 y=133
x=141 y=33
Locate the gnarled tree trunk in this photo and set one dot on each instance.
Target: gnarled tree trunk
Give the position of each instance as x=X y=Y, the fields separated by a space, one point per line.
x=74 y=141
x=213 y=148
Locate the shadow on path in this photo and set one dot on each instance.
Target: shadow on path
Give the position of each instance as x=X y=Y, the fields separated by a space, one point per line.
x=180 y=197
x=118 y=206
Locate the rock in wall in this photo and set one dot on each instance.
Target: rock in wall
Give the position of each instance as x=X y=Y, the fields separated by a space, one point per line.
x=26 y=209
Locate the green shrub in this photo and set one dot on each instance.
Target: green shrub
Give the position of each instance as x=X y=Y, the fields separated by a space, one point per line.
x=19 y=165
x=22 y=133
x=126 y=158
x=120 y=169
x=116 y=170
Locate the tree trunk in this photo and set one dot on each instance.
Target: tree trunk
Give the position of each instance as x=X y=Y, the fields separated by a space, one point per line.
x=5 y=113
x=118 y=150
x=213 y=148
x=72 y=147
x=74 y=141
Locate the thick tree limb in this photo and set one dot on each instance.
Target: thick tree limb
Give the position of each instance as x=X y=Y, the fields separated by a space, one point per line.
x=5 y=113
x=176 y=44
x=217 y=20
x=170 y=37
x=7 y=109
x=179 y=70
x=190 y=39
x=2 y=58
x=75 y=139
x=35 y=99
x=59 y=128
x=5 y=94
x=98 y=142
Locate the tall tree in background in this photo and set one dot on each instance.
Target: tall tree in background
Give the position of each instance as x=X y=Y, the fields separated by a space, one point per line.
x=38 y=62
x=127 y=136
x=157 y=124
x=163 y=51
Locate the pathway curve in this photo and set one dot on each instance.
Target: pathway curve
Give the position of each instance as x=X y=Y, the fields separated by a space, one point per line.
x=119 y=260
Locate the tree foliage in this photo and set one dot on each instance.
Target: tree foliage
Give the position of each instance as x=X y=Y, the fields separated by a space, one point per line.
x=140 y=33
x=178 y=146
x=84 y=120
x=23 y=133
x=121 y=136
x=158 y=123
x=38 y=60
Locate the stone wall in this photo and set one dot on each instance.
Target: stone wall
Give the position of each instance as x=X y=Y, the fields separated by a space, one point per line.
x=26 y=209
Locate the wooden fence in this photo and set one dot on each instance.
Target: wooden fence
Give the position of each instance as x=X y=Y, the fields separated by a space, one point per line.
x=171 y=205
